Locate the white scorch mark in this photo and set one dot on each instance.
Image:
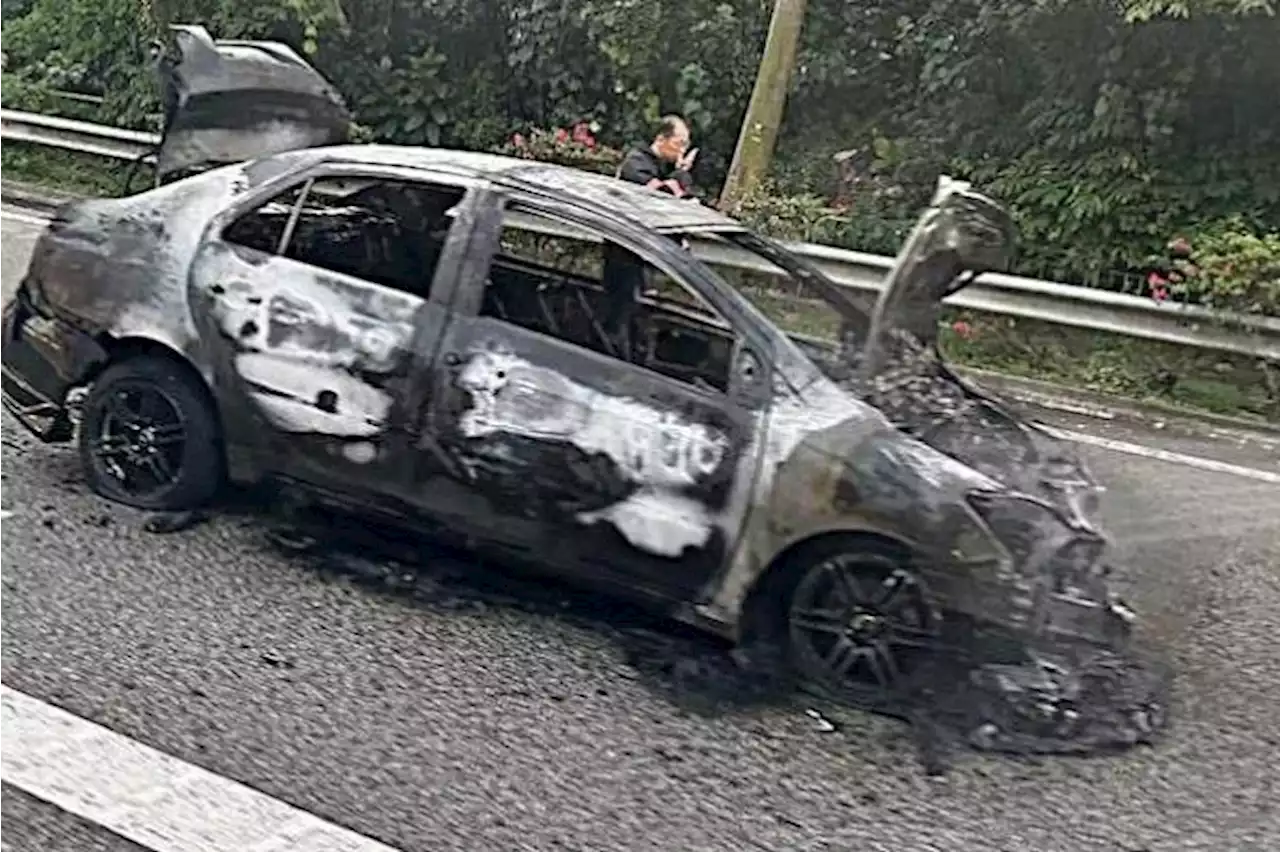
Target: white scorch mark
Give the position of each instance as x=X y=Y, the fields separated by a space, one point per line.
x=360 y=452
x=656 y=449
x=664 y=524
x=332 y=322
x=304 y=339
x=291 y=394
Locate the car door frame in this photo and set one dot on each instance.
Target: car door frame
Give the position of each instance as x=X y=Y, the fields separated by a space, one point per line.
x=656 y=249
x=243 y=426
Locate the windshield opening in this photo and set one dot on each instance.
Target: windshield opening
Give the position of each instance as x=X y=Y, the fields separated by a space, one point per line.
x=786 y=290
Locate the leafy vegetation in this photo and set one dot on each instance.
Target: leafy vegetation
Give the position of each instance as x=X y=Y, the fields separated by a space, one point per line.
x=1110 y=127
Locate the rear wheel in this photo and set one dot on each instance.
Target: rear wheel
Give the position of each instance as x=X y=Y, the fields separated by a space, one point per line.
x=856 y=620
x=149 y=436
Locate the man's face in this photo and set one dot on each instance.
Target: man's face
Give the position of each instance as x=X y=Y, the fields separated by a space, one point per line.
x=672 y=148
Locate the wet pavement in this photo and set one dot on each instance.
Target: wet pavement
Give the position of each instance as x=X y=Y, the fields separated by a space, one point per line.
x=445 y=708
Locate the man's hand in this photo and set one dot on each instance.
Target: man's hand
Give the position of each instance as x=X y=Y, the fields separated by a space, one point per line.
x=670 y=186
x=686 y=161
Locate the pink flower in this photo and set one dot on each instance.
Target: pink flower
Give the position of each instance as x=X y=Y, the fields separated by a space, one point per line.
x=561 y=136
x=1160 y=294
x=517 y=140
x=582 y=135
x=1155 y=279
x=962 y=328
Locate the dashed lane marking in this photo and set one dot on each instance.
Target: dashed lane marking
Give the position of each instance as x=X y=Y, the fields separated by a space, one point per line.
x=151 y=798
x=1144 y=451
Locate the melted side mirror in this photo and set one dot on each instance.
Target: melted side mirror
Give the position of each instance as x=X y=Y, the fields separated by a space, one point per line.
x=750 y=380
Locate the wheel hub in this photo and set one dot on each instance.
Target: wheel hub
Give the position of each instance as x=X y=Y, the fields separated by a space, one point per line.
x=865 y=626
x=140 y=428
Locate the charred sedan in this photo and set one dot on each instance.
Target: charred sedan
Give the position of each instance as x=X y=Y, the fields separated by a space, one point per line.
x=547 y=363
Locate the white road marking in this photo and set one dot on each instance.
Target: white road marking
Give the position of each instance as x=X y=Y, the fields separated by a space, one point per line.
x=1163 y=455
x=5 y=513
x=151 y=798
x=25 y=218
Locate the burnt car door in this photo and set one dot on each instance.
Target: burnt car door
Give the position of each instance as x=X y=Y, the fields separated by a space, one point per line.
x=610 y=436
x=313 y=298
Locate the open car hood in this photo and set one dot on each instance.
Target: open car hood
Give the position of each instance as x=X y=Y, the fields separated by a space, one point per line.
x=893 y=362
x=229 y=101
x=961 y=234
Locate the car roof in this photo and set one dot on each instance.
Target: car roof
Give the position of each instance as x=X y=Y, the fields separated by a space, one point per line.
x=647 y=207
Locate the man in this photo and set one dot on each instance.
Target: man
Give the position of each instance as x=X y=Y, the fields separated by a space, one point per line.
x=663 y=166
x=666 y=163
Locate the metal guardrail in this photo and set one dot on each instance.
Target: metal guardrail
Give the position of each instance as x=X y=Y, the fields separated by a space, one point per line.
x=1006 y=295
x=73 y=135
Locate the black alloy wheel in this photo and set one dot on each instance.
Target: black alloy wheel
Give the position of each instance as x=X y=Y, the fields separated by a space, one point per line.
x=858 y=622
x=149 y=436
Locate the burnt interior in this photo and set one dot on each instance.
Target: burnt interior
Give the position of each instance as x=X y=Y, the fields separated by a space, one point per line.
x=387 y=233
x=392 y=233
x=648 y=331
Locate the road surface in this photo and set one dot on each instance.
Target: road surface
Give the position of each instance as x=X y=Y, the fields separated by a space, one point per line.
x=430 y=722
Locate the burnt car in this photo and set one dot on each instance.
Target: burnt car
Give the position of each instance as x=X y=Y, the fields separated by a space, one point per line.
x=549 y=364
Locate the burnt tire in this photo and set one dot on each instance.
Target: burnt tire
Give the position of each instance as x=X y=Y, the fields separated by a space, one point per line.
x=149 y=437
x=853 y=618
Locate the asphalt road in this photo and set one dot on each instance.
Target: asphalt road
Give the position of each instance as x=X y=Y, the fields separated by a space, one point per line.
x=466 y=722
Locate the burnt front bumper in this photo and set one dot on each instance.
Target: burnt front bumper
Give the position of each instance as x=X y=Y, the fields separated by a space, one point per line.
x=43 y=358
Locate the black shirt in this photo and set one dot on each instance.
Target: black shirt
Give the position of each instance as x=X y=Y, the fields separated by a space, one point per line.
x=641 y=165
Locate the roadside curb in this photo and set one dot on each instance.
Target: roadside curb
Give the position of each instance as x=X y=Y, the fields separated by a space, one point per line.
x=1097 y=404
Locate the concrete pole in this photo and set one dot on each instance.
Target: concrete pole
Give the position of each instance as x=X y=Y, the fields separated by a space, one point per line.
x=759 y=132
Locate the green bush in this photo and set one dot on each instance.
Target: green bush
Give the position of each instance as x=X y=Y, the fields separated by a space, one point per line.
x=1230 y=266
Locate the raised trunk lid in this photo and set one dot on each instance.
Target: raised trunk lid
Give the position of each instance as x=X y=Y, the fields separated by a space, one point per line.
x=228 y=101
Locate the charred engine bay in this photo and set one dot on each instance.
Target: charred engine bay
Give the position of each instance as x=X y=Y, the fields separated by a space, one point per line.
x=1029 y=689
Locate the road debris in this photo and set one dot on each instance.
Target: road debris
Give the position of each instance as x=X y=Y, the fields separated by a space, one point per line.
x=820 y=721
x=164 y=523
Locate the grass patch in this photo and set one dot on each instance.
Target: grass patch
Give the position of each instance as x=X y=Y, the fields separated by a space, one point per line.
x=1219 y=382
x=69 y=171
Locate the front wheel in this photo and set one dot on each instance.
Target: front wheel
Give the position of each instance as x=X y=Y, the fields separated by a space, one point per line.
x=856 y=620
x=149 y=436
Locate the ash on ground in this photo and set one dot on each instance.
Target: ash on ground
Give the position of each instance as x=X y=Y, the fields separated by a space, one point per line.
x=1076 y=701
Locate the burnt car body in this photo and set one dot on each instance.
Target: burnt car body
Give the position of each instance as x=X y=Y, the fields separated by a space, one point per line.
x=719 y=479
x=357 y=323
